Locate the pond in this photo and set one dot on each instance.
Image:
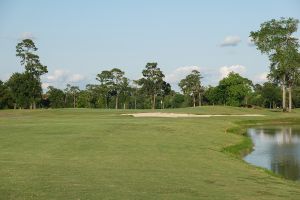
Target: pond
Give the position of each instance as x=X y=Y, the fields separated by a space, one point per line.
x=276 y=148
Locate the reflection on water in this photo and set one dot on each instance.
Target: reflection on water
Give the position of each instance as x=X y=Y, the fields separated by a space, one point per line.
x=277 y=149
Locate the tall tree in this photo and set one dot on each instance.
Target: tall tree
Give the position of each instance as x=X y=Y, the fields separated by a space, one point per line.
x=234 y=89
x=256 y=98
x=293 y=75
x=134 y=91
x=125 y=91
x=74 y=90
x=296 y=96
x=92 y=95
x=3 y=91
x=117 y=83
x=211 y=94
x=55 y=97
x=26 y=51
x=191 y=85
x=83 y=99
x=71 y=95
x=106 y=81
x=5 y=96
x=271 y=94
x=286 y=64
x=21 y=87
x=166 y=90
x=152 y=81
x=275 y=39
x=67 y=94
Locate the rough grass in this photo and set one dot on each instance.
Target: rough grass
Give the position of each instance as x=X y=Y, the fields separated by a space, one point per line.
x=99 y=154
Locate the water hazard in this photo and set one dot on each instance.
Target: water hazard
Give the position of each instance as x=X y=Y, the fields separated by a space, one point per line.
x=276 y=148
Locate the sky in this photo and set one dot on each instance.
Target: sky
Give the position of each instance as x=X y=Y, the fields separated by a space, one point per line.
x=76 y=40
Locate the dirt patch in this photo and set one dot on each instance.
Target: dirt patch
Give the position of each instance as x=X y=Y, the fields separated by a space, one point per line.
x=176 y=115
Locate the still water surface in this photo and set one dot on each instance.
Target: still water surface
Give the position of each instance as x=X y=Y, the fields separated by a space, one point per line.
x=276 y=148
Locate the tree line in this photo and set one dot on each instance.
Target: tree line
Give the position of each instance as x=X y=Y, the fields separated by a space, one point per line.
x=115 y=90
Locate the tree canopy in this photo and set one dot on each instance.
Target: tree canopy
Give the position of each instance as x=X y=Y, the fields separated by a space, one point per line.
x=152 y=81
x=275 y=38
x=234 y=89
x=191 y=85
x=26 y=51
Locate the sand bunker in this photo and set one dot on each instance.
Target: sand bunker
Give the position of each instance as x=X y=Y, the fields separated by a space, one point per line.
x=176 y=115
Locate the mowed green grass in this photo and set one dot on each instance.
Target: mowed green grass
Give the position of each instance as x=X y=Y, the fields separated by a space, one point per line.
x=98 y=154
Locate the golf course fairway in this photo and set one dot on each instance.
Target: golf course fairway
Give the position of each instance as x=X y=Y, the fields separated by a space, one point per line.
x=102 y=154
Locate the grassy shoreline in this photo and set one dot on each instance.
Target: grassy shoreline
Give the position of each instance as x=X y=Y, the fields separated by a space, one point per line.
x=245 y=147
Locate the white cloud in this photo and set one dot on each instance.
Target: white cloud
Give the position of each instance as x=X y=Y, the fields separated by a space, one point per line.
x=261 y=78
x=60 y=78
x=180 y=73
x=64 y=76
x=225 y=70
x=45 y=85
x=250 y=42
x=76 y=78
x=57 y=74
x=231 y=41
x=27 y=35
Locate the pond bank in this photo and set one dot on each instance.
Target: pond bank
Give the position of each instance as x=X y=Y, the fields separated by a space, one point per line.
x=245 y=147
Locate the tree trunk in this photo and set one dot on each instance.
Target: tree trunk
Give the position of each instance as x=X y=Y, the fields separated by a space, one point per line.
x=290 y=98
x=117 y=99
x=74 y=101
x=15 y=106
x=106 y=102
x=200 y=102
x=65 y=101
x=135 y=103
x=194 y=100
x=124 y=106
x=34 y=105
x=283 y=95
x=153 y=103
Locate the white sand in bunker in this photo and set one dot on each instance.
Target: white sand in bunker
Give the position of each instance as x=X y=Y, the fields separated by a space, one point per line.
x=176 y=115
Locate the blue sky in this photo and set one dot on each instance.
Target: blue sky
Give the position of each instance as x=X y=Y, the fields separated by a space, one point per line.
x=78 y=39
